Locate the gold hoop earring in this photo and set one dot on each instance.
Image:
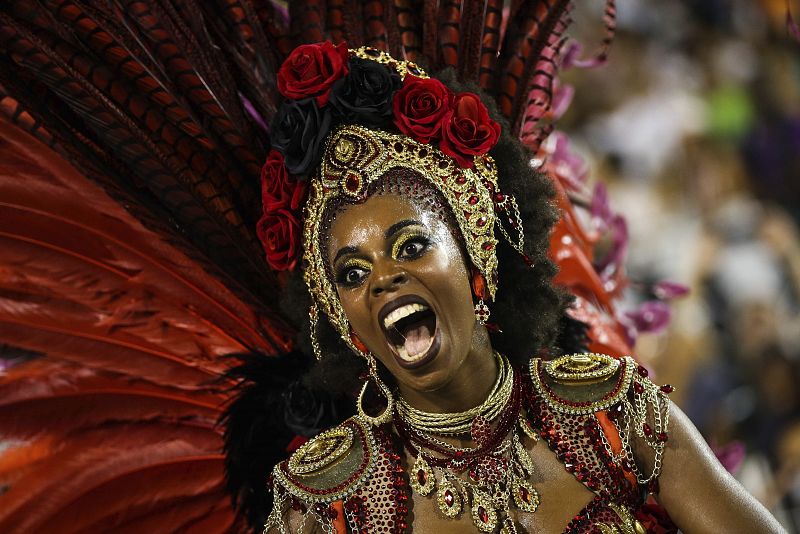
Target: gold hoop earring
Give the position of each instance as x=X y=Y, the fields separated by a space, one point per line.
x=386 y=415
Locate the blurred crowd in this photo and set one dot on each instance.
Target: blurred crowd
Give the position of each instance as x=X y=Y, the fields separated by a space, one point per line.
x=694 y=125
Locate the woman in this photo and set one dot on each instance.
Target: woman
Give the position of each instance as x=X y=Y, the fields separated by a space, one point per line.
x=407 y=181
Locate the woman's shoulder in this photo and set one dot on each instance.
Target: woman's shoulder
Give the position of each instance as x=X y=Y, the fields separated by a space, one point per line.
x=331 y=465
x=612 y=395
x=587 y=382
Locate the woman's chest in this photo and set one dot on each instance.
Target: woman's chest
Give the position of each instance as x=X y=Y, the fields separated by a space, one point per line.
x=560 y=498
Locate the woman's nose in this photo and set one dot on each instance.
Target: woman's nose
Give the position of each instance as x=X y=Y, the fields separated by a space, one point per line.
x=388 y=277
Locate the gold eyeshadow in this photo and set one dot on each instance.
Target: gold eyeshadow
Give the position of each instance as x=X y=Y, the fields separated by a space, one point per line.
x=356 y=262
x=407 y=236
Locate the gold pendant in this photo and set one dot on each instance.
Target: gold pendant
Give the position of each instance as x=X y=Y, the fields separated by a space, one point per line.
x=422 y=479
x=508 y=527
x=525 y=496
x=526 y=427
x=523 y=457
x=483 y=514
x=448 y=498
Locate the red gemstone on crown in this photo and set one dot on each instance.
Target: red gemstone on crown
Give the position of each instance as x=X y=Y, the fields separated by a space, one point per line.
x=666 y=388
x=525 y=494
x=449 y=499
x=642 y=371
x=352 y=181
x=638 y=388
x=422 y=478
x=647 y=430
x=483 y=515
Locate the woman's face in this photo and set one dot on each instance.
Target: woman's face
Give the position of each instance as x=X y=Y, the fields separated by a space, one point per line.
x=403 y=284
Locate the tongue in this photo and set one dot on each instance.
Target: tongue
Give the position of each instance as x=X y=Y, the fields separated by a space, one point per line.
x=418 y=340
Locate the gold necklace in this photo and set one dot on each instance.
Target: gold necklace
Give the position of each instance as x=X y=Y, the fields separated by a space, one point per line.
x=484 y=479
x=455 y=423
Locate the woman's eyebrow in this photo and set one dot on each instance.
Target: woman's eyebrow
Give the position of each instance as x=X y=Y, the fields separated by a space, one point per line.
x=396 y=227
x=344 y=250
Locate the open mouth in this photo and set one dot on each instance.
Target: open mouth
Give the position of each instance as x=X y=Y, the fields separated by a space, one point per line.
x=409 y=324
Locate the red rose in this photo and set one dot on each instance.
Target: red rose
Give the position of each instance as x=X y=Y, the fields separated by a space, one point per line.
x=278 y=189
x=419 y=107
x=279 y=232
x=310 y=71
x=467 y=130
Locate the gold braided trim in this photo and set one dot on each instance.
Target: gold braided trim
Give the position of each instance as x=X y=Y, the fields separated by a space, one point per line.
x=344 y=458
x=354 y=157
x=582 y=400
x=402 y=67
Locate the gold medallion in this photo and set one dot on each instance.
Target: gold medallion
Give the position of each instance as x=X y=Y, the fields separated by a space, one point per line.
x=321 y=451
x=448 y=498
x=422 y=478
x=484 y=515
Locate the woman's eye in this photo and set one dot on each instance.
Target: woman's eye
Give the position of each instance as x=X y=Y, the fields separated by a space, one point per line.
x=413 y=248
x=352 y=276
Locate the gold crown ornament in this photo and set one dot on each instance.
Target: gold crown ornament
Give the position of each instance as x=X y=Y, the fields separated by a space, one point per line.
x=354 y=157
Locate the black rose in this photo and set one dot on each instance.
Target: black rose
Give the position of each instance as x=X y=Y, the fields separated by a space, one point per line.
x=298 y=131
x=306 y=412
x=365 y=95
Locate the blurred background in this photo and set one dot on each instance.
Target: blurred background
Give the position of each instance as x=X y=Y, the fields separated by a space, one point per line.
x=694 y=126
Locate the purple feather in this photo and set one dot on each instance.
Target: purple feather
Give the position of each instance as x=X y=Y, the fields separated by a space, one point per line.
x=600 y=208
x=254 y=114
x=652 y=316
x=666 y=290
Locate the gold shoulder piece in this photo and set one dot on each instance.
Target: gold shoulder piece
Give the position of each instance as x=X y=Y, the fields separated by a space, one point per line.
x=582 y=383
x=331 y=465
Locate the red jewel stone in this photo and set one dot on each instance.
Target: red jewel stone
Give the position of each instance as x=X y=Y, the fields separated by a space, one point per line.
x=473 y=475
x=642 y=371
x=662 y=436
x=461 y=180
x=525 y=494
x=499 y=197
x=422 y=477
x=459 y=455
x=666 y=388
x=352 y=182
x=638 y=388
x=483 y=515
x=647 y=430
x=448 y=498
x=473 y=200
x=487 y=246
x=481 y=222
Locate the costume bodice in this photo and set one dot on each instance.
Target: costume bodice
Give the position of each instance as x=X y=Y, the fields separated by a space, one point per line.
x=351 y=478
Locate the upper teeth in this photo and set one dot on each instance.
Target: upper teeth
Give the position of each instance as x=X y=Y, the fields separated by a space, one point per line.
x=402 y=311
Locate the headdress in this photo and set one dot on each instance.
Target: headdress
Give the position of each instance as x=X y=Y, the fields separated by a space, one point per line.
x=379 y=114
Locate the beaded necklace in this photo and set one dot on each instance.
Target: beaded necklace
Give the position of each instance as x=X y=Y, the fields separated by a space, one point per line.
x=486 y=478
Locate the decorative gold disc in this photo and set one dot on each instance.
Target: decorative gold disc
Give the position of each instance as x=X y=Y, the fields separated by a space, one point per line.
x=321 y=451
x=581 y=368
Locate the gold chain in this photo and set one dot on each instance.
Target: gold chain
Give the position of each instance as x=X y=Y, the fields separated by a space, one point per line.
x=450 y=424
